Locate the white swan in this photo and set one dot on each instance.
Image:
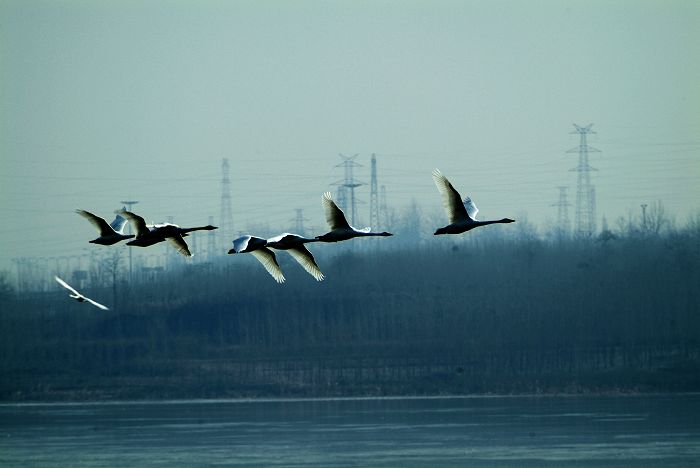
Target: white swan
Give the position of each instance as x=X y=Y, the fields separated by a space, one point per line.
x=294 y=244
x=147 y=235
x=340 y=230
x=256 y=247
x=462 y=214
x=109 y=233
x=77 y=296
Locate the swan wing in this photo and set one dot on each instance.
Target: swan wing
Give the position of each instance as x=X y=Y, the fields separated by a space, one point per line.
x=268 y=260
x=118 y=224
x=240 y=243
x=334 y=215
x=96 y=304
x=284 y=237
x=99 y=223
x=472 y=210
x=137 y=221
x=67 y=286
x=302 y=255
x=363 y=230
x=247 y=243
x=180 y=245
x=451 y=201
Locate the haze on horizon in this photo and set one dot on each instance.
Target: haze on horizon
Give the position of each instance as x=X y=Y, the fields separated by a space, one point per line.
x=106 y=101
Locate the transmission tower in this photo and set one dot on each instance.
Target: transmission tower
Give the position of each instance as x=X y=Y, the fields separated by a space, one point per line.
x=129 y=204
x=383 y=209
x=211 y=241
x=298 y=221
x=225 y=217
x=563 y=224
x=373 y=196
x=348 y=184
x=585 y=191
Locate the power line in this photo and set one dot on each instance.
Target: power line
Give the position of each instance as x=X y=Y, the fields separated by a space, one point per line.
x=563 y=224
x=130 y=203
x=374 y=196
x=226 y=217
x=347 y=186
x=585 y=191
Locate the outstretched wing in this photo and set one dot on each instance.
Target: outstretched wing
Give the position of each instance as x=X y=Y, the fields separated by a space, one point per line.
x=472 y=210
x=247 y=243
x=334 y=215
x=99 y=223
x=284 y=238
x=241 y=243
x=67 y=286
x=451 y=201
x=180 y=245
x=96 y=304
x=118 y=224
x=302 y=255
x=268 y=260
x=137 y=221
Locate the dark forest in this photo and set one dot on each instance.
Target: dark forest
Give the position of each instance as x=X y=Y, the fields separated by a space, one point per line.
x=475 y=314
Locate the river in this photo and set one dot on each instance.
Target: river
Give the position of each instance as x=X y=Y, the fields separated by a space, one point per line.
x=591 y=431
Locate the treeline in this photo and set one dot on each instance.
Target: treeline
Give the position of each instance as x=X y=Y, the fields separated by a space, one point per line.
x=484 y=312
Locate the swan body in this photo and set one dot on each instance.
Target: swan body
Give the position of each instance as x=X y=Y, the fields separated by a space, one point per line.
x=147 y=235
x=340 y=230
x=256 y=246
x=77 y=296
x=461 y=214
x=109 y=233
x=294 y=244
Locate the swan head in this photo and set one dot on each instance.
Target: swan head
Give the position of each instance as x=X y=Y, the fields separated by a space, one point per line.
x=507 y=220
x=232 y=251
x=385 y=234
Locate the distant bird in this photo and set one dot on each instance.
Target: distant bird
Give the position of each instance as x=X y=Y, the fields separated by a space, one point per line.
x=294 y=244
x=109 y=233
x=256 y=247
x=340 y=230
x=462 y=214
x=77 y=296
x=147 y=235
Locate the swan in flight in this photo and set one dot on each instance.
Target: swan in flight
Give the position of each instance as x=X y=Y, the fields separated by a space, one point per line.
x=147 y=235
x=77 y=296
x=340 y=230
x=462 y=214
x=109 y=233
x=294 y=244
x=256 y=247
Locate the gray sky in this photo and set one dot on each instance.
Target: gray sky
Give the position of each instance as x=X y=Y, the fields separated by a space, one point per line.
x=102 y=101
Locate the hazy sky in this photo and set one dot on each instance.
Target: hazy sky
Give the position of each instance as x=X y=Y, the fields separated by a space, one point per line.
x=103 y=101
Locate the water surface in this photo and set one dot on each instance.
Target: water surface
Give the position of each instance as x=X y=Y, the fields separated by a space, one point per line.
x=620 y=431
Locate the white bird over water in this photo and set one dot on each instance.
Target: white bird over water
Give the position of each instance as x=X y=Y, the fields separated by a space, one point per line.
x=340 y=229
x=462 y=214
x=77 y=296
x=256 y=247
x=294 y=244
x=109 y=233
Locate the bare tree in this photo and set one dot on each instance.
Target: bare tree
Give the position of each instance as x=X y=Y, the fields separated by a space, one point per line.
x=111 y=266
x=656 y=220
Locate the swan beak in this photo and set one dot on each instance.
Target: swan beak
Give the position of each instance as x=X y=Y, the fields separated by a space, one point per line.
x=232 y=251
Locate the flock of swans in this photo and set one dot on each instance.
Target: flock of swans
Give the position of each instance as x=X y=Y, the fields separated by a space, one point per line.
x=461 y=214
